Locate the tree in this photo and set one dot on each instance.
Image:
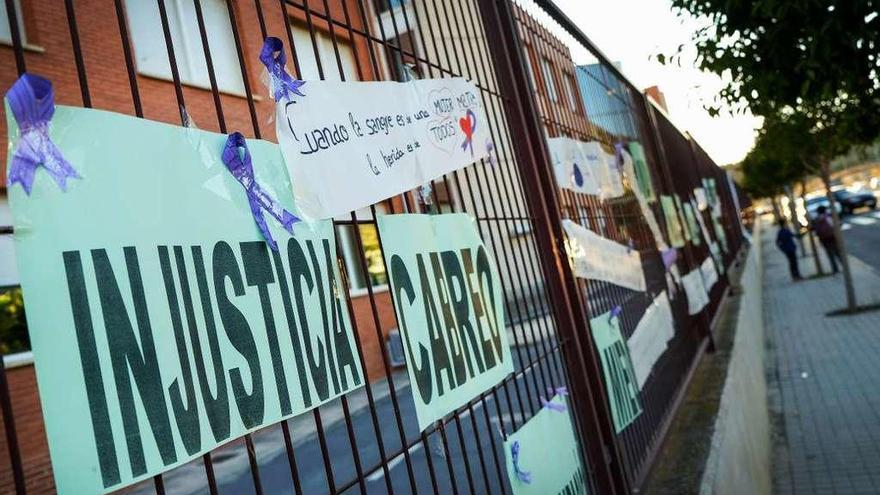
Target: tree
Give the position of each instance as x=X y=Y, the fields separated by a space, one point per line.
x=812 y=62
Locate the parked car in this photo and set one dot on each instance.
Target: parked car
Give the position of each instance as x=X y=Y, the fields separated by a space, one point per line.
x=849 y=200
x=815 y=202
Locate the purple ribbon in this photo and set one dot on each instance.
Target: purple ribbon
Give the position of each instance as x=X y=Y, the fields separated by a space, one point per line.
x=468 y=125
x=615 y=313
x=237 y=158
x=553 y=406
x=618 y=155
x=563 y=391
x=32 y=101
x=273 y=57
x=524 y=476
x=490 y=147
x=669 y=257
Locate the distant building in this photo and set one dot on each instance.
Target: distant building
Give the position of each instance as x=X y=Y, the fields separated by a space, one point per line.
x=657 y=97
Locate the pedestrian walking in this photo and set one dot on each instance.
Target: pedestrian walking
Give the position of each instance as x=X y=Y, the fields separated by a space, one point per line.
x=824 y=229
x=785 y=243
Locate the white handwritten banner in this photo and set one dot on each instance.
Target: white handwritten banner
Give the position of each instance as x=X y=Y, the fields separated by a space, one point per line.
x=450 y=309
x=649 y=340
x=575 y=169
x=695 y=290
x=710 y=275
x=595 y=257
x=348 y=145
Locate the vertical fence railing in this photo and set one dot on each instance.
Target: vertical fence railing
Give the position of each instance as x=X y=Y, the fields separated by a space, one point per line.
x=369 y=443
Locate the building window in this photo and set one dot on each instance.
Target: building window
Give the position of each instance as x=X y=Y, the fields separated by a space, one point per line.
x=375 y=273
x=308 y=64
x=547 y=73
x=5 y=30
x=571 y=91
x=152 y=56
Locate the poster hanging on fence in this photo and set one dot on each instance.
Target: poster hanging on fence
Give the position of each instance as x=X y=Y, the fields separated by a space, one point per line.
x=348 y=145
x=681 y=216
x=695 y=290
x=542 y=456
x=710 y=274
x=691 y=220
x=597 y=258
x=720 y=233
x=575 y=169
x=642 y=173
x=650 y=338
x=700 y=196
x=162 y=325
x=647 y=212
x=617 y=368
x=449 y=305
x=673 y=221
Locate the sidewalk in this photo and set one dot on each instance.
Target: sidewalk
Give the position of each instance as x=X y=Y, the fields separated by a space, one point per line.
x=823 y=378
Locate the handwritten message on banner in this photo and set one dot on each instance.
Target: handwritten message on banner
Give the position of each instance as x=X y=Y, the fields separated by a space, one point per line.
x=348 y=145
x=161 y=323
x=449 y=305
x=650 y=338
x=578 y=167
x=620 y=379
x=597 y=258
x=546 y=455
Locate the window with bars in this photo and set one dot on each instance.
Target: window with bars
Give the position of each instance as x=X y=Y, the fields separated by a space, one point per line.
x=151 y=55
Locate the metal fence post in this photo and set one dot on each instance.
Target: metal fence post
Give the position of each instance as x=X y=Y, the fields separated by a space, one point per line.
x=594 y=418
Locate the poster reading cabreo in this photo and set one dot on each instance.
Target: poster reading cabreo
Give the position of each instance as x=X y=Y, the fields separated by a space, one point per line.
x=449 y=306
x=162 y=324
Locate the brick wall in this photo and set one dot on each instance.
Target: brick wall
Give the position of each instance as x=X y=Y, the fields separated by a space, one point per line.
x=50 y=55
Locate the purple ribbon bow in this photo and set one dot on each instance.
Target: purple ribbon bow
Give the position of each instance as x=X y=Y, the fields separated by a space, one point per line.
x=524 y=476
x=237 y=158
x=32 y=101
x=618 y=155
x=468 y=125
x=669 y=257
x=615 y=313
x=273 y=57
x=490 y=147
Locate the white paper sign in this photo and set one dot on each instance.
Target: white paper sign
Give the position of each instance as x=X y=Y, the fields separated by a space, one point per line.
x=700 y=195
x=597 y=258
x=348 y=145
x=710 y=275
x=574 y=171
x=647 y=212
x=650 y=337
x=696 y=293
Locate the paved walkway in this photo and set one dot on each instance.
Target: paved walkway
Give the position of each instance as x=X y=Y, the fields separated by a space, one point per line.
x=824 y=379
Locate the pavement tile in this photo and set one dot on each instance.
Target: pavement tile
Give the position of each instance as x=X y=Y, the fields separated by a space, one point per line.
x=827 y=373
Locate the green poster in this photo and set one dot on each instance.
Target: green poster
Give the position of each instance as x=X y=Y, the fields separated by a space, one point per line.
x=719 y=233
x=546 y=455
x=449 y=305
x=673 y=221
x=162 y=325
x=620 y=379
x=680 y=209
x=643 y=174
x=692 y=224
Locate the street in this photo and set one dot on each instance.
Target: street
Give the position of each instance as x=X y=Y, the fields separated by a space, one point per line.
x=862 y=234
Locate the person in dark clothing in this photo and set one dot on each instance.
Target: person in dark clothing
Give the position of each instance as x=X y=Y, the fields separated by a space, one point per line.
x=824 y=229
x=785 y=243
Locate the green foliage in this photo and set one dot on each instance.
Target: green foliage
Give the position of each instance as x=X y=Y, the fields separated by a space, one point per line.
x=13 y=327
x=784 y=152
x=816 y=58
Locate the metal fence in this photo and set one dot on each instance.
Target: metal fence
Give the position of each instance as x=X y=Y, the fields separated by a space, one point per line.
x=520 y=56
